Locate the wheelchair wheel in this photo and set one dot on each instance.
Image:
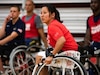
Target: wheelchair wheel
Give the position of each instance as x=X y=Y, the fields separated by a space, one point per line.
x=8 y=72
x=18 y=47
x=22 y=63
x=63 y=65
x=92 y=68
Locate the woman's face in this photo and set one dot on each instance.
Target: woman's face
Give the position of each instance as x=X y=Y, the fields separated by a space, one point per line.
x=46 y=16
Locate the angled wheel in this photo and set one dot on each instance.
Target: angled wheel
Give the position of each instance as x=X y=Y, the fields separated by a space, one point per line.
x=18 y=47
x=22 y=62
x=8 y=70
x=64 y=65
x=92 y=68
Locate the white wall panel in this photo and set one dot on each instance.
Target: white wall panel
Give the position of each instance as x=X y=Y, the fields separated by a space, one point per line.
x=61 y=1
x=45 y=1
x=4 y=10
x=73 y=18
x=10 y=1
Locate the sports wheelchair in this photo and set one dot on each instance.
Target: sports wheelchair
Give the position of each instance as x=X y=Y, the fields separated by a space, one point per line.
x=22 y=62
x=65 y=63
x=74 y=66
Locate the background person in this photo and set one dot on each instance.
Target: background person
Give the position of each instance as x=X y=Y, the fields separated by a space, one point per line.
x=12 y=33
x=92 y=37
x=34 y=26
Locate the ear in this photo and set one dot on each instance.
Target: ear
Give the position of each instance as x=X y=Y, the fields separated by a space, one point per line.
x=53 y=15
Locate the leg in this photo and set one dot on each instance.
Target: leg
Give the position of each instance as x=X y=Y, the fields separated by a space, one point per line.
x=2 y=49
x=45 y=69
x=1 y=65
x=39 y=57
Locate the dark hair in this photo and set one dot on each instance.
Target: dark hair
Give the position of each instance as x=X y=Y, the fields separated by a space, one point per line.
x=16 y=7
x=52 y=9
x=99 y=0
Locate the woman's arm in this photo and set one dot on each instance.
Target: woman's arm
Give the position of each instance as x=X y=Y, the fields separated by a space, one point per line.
x=59 y=44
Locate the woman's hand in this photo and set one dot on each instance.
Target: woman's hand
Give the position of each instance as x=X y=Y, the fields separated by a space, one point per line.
x=48 y=60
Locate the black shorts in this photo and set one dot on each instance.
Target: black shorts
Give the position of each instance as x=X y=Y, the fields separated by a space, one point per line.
x=6 y=50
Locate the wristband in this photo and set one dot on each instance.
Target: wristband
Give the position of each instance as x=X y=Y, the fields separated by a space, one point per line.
x=51 y=55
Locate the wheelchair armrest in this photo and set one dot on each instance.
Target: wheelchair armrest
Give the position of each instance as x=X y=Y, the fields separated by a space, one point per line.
x=97 y=52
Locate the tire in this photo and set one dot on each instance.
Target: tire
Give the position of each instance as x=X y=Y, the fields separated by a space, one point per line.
x=92 y=69
x=22 y=63
x=57 y=70
x=18 y=47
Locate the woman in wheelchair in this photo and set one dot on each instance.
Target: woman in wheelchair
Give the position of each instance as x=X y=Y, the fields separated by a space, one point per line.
x=58 y=36
x=11 y=34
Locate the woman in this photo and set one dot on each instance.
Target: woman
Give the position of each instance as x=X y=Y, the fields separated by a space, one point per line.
x=58 y=36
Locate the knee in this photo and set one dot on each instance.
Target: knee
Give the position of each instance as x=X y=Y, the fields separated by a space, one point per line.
x=38 y=59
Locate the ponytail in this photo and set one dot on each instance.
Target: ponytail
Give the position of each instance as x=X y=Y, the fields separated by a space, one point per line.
x=57 y=16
